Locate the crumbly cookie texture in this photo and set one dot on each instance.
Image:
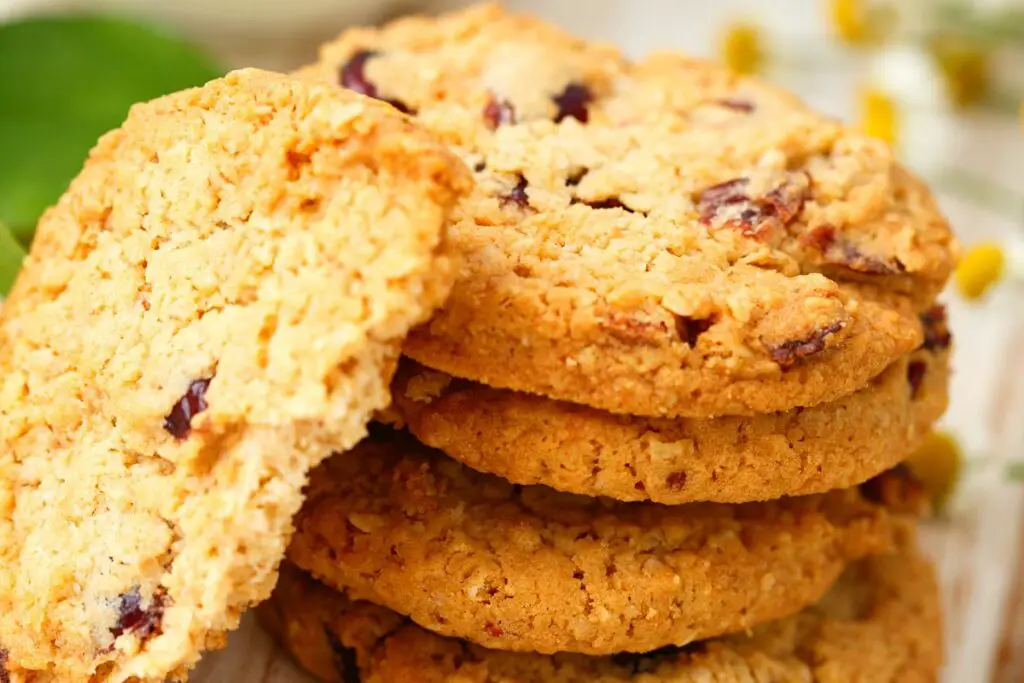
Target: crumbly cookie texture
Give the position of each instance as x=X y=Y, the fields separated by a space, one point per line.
x=527 y=568
x=880 y=623
x=654 y=238
x=529 y=439
x=216 y=302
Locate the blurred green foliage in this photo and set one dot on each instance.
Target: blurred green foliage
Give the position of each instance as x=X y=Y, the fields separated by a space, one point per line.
x=11 y=254
x=66 y=81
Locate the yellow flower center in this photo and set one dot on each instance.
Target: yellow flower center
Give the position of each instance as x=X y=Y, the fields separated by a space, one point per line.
x=981 y=267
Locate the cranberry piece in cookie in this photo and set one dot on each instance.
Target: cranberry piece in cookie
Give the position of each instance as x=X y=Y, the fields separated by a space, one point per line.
x=731 y=204
x=353 y=77
x=499 y=112
x=736 y=104
x=517 y=195
x=133 y=618
x=936 y=333
x=573 y=101
x=838 y=251
x=179 y=421
x=915 y=376
x=791 y=352
x=690 y=329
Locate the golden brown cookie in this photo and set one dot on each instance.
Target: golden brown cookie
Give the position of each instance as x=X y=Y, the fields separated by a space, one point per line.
x=651 y=238
x=217 y=300
x=529 y=439
x=526 y=568
x=880 y=623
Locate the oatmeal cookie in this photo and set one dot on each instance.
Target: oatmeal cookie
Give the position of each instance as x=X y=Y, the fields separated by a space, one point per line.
x=657 y=238
x=530 y=439
x=526 y=568
x=880 y=623
x=216 y=302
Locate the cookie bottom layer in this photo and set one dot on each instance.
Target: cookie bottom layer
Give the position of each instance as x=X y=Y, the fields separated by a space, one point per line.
x=880 y=622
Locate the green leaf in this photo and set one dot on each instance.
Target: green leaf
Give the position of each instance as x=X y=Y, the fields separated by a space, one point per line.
x=11 y=254
x=1015 y=471
x=66 y=81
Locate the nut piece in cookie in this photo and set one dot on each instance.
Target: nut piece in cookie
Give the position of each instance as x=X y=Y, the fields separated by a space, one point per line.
x=214 y=305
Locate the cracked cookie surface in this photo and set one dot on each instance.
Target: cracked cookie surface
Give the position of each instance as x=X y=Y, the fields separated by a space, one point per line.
x=530 y=439
x=469 y=555
x=653 y=238
x=217 y=301
x=880 y=622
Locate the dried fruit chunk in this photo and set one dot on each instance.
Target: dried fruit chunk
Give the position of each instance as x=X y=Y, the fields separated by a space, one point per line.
x=729 y=204
x=791 y=352
x=517 y=195
x=915 y=376
x=937 y=336
x=353 y=76
x=133 y=618
x=573 y=102
x=745 y=106
x=179 y=421
x=609 y=203
x=499 y=112
x=690 y=329
x=838 y=251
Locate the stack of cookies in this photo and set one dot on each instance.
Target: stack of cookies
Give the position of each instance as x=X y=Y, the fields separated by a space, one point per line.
x=655 y=433
x=668 y=335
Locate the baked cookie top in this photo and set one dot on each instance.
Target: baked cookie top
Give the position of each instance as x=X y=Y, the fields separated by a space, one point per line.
x=217 y=301
x=526 y=568
x=530 y=439
x=655 y=238
x=880 y=622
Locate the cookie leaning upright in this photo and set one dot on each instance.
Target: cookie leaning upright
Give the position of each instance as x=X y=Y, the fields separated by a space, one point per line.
x=660 y=238
x=216 y=303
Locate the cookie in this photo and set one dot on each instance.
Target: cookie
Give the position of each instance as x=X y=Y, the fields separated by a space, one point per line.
x=529 y=439
x=469 y=555
x=880 y=622
x=216 y=302
x=657 y=238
